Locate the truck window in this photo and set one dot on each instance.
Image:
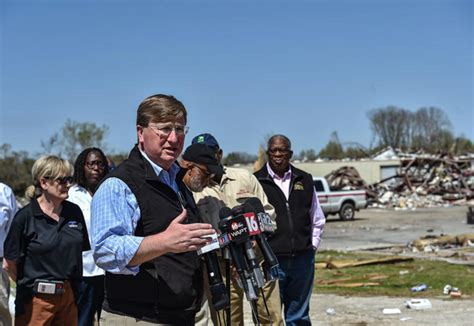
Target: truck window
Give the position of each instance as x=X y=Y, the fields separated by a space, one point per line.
x=318 y=185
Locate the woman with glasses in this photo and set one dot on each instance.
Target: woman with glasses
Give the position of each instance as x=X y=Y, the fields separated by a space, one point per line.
x=43 y=248
x=89 y=169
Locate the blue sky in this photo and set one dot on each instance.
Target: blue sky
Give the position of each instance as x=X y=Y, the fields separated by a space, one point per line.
x=243 y=69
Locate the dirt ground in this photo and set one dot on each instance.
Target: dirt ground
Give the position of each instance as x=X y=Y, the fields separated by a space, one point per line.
x=377 y=228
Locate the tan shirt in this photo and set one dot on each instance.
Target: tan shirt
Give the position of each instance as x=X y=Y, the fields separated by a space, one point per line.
x=236 y=185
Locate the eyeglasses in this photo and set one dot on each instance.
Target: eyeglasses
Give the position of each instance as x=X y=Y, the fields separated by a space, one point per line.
x=204 y=171
x=165 y=130
x=283 y=151
x=98 y=164
x=62 y=180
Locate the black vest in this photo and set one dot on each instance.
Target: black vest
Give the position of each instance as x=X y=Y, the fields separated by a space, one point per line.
x=294 y=231
x=167 y=289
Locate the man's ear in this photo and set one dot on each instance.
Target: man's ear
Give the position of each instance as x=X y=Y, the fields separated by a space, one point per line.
x=184 y=164
x=219 y=155
x=139 y=134
x=291 y=153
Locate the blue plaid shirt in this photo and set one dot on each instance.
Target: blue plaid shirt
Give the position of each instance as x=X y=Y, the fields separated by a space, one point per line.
x=114 y=217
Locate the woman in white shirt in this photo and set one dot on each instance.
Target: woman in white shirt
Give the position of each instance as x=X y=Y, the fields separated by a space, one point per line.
x=89 y=169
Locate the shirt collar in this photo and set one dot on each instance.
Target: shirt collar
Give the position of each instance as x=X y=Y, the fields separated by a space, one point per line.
x=78 y=188
x=158 y=169
x=273 y=175
x=35 y=207
x=224 y=179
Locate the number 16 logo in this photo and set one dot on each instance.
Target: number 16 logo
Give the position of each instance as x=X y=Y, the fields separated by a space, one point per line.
x=252 y=223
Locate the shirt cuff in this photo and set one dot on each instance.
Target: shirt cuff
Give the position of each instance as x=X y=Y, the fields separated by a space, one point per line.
x=132 y=245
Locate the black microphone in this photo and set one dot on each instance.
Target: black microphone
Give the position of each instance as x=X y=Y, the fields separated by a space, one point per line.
x=220 y=299
x=270 y=261
x=253 y=229
x=236 y=229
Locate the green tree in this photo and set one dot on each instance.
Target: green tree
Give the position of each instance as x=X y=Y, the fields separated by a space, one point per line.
x=307 y=155
x=15 y=169
x=117 y=158
x=333 y=149
x=238 y=158
x=462 y=145
x=355 y=153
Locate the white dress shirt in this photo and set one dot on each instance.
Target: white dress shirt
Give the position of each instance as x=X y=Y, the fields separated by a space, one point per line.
x=8 y=210
x=81 y=197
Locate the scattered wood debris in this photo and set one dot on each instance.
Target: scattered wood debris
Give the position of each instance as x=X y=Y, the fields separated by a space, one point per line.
x=353 y=263
x=442 y=241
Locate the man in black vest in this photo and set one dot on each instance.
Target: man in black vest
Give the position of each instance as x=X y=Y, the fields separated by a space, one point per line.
x=145 y=229
x=300 y=222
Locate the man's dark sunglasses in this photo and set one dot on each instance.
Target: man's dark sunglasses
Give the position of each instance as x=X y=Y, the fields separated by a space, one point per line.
x=205 y=171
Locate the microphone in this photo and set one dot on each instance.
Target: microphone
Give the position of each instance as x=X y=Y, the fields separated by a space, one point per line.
x=270 y=264
x=220 y=299
x=236 y=229
x=253 y=229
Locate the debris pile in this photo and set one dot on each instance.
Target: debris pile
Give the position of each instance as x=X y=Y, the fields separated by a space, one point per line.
x=444 y=241
x=421 y=181
x=348 y=178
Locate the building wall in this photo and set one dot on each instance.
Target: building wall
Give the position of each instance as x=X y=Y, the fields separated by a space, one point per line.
x=369 y=170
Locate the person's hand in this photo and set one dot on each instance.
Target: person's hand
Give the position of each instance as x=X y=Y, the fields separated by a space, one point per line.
x=186 y=237
x=234 y=275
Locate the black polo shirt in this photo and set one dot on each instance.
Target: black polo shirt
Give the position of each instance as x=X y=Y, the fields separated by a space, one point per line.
x=44 y=248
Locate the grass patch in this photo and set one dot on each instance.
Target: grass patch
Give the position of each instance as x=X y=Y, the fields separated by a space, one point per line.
x=435 y=274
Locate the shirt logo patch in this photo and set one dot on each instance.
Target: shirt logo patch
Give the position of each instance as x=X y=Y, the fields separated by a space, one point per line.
x=243 y=193
x=298 y=186
x=72 y=224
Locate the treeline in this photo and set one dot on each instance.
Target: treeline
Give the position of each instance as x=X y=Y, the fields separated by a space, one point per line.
x=15 y=166
x=15 y=169
x=427 y=129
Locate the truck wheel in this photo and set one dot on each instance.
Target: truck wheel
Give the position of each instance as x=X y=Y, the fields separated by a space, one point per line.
x=347 y=212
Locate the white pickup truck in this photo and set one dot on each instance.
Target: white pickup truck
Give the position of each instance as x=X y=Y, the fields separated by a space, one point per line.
x=344 y=203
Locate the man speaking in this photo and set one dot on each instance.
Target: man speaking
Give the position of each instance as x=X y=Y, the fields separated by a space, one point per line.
x=144 y=235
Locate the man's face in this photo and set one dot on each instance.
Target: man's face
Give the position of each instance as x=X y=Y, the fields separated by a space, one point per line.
x=197 y=177
x=162 y=141
x=279 y=155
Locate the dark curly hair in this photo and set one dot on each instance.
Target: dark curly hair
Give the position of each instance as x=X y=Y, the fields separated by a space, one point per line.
x=79 y=176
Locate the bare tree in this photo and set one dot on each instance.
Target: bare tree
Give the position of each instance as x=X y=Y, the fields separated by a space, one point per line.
x=52 y=143
x=392 y=126
x=432 y=129
x=74 y=137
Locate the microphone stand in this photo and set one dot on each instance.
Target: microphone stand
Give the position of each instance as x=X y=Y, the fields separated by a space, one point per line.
x=227 y=283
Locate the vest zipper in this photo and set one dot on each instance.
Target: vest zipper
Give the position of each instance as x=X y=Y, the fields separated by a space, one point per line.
x=290 y=224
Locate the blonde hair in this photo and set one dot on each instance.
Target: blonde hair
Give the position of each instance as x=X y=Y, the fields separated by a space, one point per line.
x=50 y=167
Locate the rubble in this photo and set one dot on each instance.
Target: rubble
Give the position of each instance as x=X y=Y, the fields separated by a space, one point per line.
x=421 y=181
x=444 y=240
x=348 y=178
